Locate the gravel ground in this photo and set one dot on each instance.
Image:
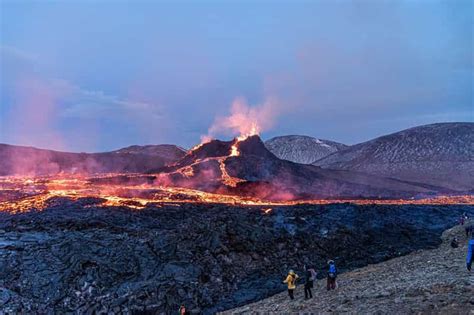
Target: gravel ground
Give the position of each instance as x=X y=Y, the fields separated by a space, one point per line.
x=423 y=282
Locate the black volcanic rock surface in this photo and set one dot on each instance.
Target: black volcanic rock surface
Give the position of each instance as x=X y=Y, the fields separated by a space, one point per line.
x=432 y=281
x=18 y=160
x=77 y=257
x=438 y=154
x=302 y=149
x=264 y=175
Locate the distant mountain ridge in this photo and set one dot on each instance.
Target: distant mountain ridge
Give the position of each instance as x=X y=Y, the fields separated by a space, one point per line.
x=165 y=151
x=21 y=160
x=439 y=154
x=302 y=149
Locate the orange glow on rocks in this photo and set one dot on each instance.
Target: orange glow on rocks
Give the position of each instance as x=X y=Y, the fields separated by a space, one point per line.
x=20 y=194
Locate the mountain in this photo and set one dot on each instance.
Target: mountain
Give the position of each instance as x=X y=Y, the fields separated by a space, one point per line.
x=248 y=168
x=19 y=160
x=438 y=154
x=302 y=149
x=165 y=151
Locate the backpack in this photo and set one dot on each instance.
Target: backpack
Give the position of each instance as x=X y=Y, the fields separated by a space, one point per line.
x=293 y=280
x=332 y=271
x=313 y=274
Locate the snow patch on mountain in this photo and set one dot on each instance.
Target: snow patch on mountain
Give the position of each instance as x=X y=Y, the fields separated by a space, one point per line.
x=302 y=149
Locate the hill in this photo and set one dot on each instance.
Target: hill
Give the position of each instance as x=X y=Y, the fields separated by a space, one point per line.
x=302 y=149
x=20 y=160
x=438 y=154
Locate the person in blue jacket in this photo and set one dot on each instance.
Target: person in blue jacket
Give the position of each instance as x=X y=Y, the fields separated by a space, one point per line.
x=470 y=253
x=332 y=275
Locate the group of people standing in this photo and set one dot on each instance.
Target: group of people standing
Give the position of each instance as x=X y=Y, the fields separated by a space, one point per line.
x=310 y=276
x=310 y=273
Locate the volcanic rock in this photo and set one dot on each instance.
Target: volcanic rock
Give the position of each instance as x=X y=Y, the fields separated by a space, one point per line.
x=86 y=259
x=423 y=282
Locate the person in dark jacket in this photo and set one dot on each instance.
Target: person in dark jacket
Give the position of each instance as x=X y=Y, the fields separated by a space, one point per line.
x=308 y=284
x=332 y=275
x=470 y=253
x=469 y=230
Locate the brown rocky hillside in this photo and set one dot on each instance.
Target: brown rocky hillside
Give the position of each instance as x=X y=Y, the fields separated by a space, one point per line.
x=423 y=282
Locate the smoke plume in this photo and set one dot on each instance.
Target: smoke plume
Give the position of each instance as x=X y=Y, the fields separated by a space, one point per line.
x=245 y=120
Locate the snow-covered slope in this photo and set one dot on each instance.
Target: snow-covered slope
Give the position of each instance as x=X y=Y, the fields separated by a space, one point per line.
x=302 y=149
x=439 y=154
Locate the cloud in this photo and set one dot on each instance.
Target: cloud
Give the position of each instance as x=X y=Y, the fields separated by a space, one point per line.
x=55 y=113
x=82 y=103
x=12 y=53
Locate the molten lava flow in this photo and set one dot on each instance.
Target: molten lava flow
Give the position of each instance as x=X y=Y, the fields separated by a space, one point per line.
x=204 y=140
x=267 y=210
x=187 y=171
x=253 y=131
x=197 y=146
x=19 y=194
x=234 y=150
x=226 y=178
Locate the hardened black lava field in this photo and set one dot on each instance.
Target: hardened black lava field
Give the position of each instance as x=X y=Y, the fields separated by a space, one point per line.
x=76 y=257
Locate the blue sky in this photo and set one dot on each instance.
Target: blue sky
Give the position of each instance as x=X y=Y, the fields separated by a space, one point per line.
x=99 y=75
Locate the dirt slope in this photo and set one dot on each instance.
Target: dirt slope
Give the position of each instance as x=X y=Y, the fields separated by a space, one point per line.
x=424 y=282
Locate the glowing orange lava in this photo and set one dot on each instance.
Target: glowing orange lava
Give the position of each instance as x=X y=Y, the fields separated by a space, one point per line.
x=267 y=210
x=226 y=178
x=19 y=194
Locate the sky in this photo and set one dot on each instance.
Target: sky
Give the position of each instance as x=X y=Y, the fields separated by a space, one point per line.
x=99 y=75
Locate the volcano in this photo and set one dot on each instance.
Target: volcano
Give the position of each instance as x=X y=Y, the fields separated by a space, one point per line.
x=244 y=166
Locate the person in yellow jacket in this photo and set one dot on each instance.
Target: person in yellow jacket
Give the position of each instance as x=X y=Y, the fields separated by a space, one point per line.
x=291 y=282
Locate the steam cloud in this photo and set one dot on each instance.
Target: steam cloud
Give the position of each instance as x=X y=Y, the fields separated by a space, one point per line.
x=245 y=120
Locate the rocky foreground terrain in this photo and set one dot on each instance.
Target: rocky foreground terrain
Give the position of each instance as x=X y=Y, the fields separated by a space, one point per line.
x=76 y=256
x=424 y=282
